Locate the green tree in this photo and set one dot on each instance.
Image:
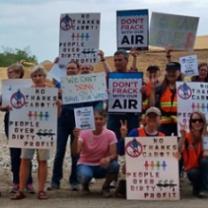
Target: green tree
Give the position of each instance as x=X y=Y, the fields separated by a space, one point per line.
x=10 y=56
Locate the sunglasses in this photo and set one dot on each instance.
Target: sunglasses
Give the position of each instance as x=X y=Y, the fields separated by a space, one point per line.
x=197 y=119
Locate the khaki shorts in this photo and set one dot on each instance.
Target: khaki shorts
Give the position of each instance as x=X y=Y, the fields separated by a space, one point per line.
x=42 y=154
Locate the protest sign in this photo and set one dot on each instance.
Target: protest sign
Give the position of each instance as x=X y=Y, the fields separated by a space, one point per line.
x=175 y=31
x=189 y=65
x=125 y=92
x=132 y=29
x=152 y=168
x=84 y=88
x=79 y=38
x=57 y=72
x=84 y=118
x=9 y=86
x=33 y=119
x=191 y=96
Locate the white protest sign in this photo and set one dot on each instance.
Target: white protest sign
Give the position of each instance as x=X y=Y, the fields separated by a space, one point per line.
x=189 y=65
x=9 y=86
x=84 y=88
x=132 y=29
x=152 y=168
x=33 y=119
x=79 y=38
x=57 y=72
x=191 y=96
x=84 y=118
x=125 y=92
x=175 y=31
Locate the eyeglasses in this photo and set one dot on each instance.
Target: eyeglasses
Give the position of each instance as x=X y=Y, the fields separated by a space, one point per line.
x=197 y=119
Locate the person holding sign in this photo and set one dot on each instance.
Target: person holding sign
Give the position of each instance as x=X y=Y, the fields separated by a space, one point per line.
x=203 y=73
x=120 y=62
x=66 y=125
x=38 y=76
x=15 y=71
x=97 y=150
x=151 y=128
x=164 y=97
x=194 y=157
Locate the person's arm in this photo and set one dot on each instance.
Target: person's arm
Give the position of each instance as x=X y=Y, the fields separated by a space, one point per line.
x=153 y=96
x=168 y=50
x=76 y=144
x=112 y=156
x=103 y=61
x=59 y=106
x=134 y=53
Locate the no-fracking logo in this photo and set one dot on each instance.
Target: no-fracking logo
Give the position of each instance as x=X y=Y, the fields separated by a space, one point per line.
x=134 y=148
x=17 y=100
x=184 y=91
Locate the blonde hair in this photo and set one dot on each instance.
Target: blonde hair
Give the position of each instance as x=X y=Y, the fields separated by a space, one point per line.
x=38 y=69
x=18 y=68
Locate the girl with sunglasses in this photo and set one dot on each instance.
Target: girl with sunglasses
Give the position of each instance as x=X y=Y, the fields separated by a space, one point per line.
x=195 y=160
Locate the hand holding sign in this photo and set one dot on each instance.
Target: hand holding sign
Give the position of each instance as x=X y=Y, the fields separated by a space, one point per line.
x=123 y=128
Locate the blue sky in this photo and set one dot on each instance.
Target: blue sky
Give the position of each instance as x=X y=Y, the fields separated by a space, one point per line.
x=35 y=23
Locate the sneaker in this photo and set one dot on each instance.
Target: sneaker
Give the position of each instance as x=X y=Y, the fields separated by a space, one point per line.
x=113 y=184
x=18 y=196
x=202 y=195
x=74 y=187
x=30 y=189
x=106 y=193
x=15 y=188
x=53 y=186
x=85 y=189
x=93 y=181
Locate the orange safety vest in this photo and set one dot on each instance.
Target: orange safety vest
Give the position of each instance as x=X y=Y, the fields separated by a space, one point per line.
x=191 y=154
x=145 y=103
x=168 y=105
x=142 y=133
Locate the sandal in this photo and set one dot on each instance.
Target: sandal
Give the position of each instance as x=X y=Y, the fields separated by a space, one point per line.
x=42 y=195
x=18 y=196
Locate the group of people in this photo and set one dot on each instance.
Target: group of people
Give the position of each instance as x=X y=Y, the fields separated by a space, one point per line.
x=94 y=153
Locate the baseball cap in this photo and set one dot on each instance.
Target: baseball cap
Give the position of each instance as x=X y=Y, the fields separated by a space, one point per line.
x=153 y=110
x=173 y=66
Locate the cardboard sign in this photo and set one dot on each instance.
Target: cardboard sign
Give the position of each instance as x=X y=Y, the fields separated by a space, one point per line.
x=191 y=96
x=125 y=92
x=33 y=119
x=57 y=72
x=189 y=65
x=84 y=118
x=84 y=88
x=79 y=38
x=132 y=29
x=9 y=86
x=175 y=31
x=205 y=145
x=152 y=168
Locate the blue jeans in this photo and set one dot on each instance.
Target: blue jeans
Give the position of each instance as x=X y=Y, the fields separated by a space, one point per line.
x=66 y=125
x=199 y=176
x=87 y=172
